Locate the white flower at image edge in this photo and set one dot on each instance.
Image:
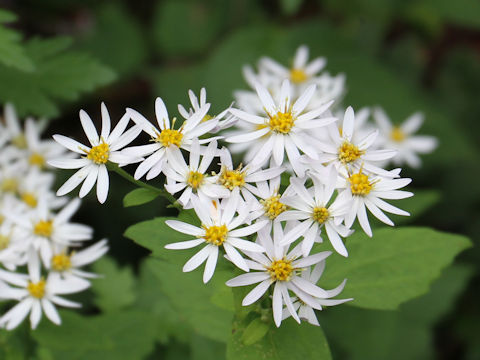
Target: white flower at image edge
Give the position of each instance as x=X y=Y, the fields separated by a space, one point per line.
x=104 y=148
x=219 y=228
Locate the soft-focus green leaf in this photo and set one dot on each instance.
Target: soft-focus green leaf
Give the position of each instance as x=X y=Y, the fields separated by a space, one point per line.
x=125 y=335
x=254 y=332
x=290 y=7
x=59 y=76
x=205 y=349
x=393 y=266
x=115 y=289
x=289 y=341
x=139 y=197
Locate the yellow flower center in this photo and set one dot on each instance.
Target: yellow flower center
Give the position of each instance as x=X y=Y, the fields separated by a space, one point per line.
x=397 y=134
x=359 y=184
x=282 y=122
x=170 y=137
x=99 y=154
x=348 y=152
x=10 y=185
x=215 y=235
x=320 y=214
x=20 y=141
x=37 y=290
x=43 y=228
x=232 y=178
x=37 y=159
x=273 y=207
x=207 y=117
x=2 y=218
x=281 y=270
x=4 y=242
x=61 y=262
x=29 y=199
x=298 y=76
x=195 y=179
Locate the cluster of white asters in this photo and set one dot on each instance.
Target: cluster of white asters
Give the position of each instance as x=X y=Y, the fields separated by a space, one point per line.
x=309 y=172
x=40 y=255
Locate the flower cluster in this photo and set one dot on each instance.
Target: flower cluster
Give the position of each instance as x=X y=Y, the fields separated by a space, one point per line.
x=310 y=169
x=40 y=259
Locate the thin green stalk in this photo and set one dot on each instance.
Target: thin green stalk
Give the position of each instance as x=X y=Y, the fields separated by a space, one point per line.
x=115 y=168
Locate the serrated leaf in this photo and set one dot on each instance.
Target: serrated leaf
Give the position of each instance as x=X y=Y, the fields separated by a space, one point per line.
x=289 y=341
x=115 y=289
x=12 y=52
x=139 y=197
x=393 y=266
x=128 y=335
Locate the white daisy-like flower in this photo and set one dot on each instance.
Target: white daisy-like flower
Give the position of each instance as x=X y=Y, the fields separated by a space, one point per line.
x=13 y=248
x=270 y=204
x=104 y=148
x=41 y=227
x=346 y=151
x=11 y=176
x=166 y=138
x=284 y=129
x=316 y=210
x=366 y=191
x=328 y=88
x=306 y=312
x=301 y=70
x=220 y=227
x=193 y=179
x=241 y=179
x=68 y=263
x=402 y=138
x=36 y=295
x=282 y=269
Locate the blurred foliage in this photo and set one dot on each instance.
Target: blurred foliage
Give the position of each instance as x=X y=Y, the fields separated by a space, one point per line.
x=404 y=55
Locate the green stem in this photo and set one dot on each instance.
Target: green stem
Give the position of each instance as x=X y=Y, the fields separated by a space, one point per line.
x=115 y=168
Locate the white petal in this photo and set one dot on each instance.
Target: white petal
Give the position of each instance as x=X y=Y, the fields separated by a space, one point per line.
x=256 y=292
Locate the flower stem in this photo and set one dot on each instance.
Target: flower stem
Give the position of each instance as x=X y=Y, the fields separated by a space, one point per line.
x=117 y=169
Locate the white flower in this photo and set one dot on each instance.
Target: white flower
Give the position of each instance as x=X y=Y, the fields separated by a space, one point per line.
x=12 y=246
x=300 y=72
x=104 y=148
x=271 y=203
x=193 y=178
x=307 y=312
x=363 y=190
x=346 y=151
x=219 y=228
x=41 y=227
x=282 y=269
x=402 y=138
x=166 y=138
x=37 y=295
x=314 y=208
x=68 y=264
x=284 y=129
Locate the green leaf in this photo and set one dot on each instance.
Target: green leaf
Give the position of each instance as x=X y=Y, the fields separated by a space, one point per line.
x=59 y=76
x=378 y=335
x=289 y=341
x=139 y=197
x=115 y=290
x=12 y=52
x=125 y=335
x=290 y=7
x=393 y=266
x=254 y=332
x=206 y=349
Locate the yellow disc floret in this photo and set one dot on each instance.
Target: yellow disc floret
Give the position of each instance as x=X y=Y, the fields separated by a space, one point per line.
x=37 y=159
x=360 y=184
x=232 y=178
x=298 y=76
x=37 y=290
x=281 y=122
x=195 y=179
x=20 y=141
x=397 y=134
x=273 y=207
x=4 y=242
x=30 y=199
x=281 y=270
x=43 y=228
x=320 y=214
x=215 y=235
x=99 y=154
x=10 y=185
x=61 y=262
x=348 y=153
x=207 y=117
x=170 y=137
